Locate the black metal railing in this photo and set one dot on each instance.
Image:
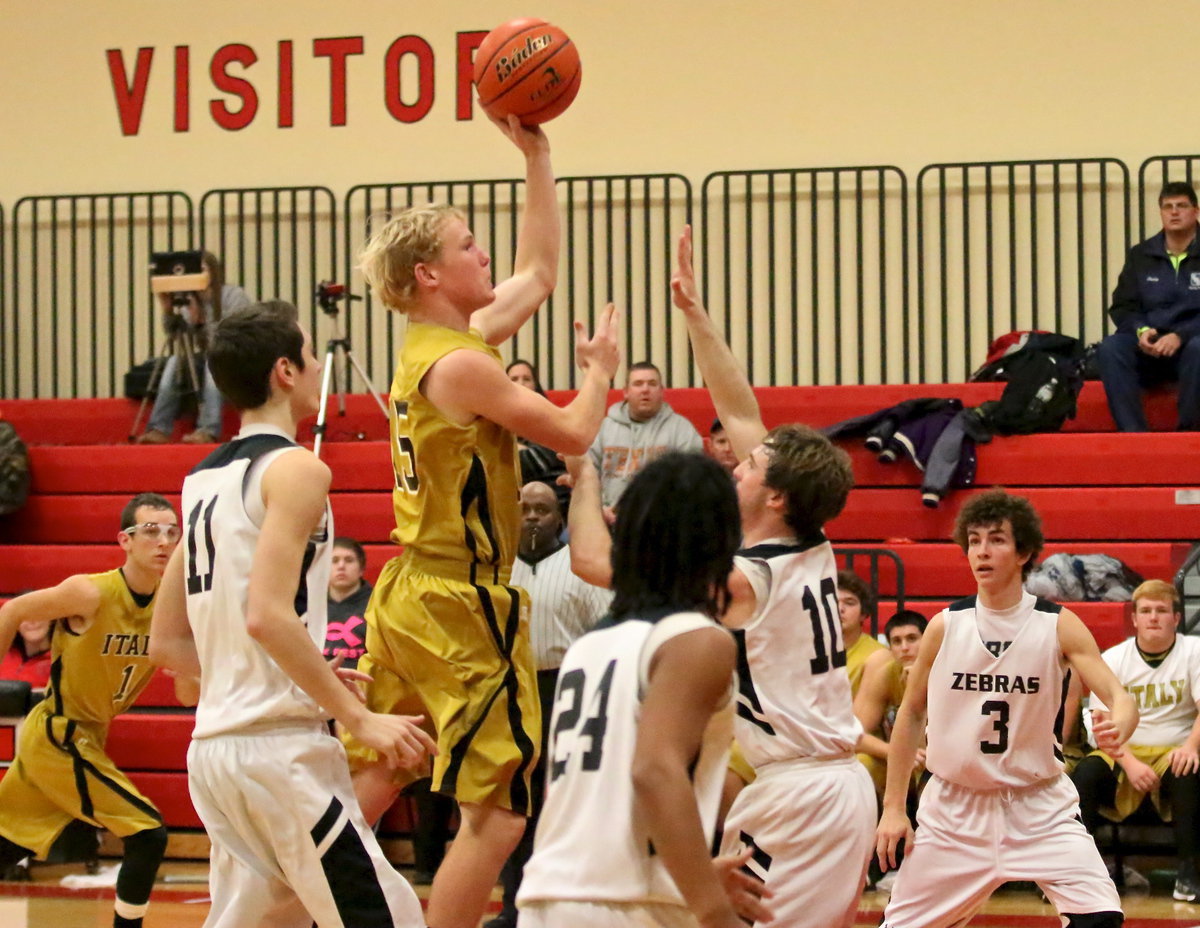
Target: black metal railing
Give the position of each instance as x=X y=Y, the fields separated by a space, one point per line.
x=619 y=242
x=874 y=556
x=274 y=242
x=80 y=312
x=808 y=270
x=491 y=208
x=1153 y=173
x=1009 y=245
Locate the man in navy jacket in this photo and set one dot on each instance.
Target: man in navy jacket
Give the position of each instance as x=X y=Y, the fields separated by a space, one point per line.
x=1156 y=308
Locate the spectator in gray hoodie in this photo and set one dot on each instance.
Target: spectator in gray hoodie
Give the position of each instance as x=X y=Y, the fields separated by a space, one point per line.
x=637 y=430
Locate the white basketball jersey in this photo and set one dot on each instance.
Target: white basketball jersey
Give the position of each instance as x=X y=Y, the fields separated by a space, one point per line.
x=590 y=844
x=793 y=690
x=996 y=708
x=240 y=685
x=1166 y=695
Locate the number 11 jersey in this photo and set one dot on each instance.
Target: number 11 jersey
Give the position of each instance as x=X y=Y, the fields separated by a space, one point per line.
x=242 y=687
x=996 y=706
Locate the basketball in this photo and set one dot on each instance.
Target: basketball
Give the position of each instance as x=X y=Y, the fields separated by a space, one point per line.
x=527 y=68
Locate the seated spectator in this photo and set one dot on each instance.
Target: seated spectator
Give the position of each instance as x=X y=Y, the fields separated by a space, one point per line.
x=538 y=463
x=29 y=657
x=718 y=446
x=882 y=690
x=637 y=430
x=349 y=593
x=219 y=299
x=856 y=604
x=1156 y=309
x=1161 y=670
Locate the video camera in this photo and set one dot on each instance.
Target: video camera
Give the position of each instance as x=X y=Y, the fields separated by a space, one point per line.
x=329 y=293
x=181 y=274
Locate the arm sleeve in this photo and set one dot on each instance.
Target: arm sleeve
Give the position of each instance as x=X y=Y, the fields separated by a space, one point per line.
x=1126 y=311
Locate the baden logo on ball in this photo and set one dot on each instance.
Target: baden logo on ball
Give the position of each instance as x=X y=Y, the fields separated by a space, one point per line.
x=527 y=68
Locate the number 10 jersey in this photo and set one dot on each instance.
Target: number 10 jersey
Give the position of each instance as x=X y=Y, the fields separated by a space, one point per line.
x=995 y=722
x=242 y=687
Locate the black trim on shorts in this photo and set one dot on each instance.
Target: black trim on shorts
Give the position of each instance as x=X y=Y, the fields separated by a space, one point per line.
x=81 y=767
x=350 y=873
x=518 y=790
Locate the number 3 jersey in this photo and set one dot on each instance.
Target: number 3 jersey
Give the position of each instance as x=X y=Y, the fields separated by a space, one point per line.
x=793 y=690
x=223 y=512
x=590 y=843
x=996 y=694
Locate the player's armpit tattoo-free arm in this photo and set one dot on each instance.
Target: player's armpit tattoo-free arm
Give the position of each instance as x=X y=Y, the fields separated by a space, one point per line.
x=871 y=703
x=690 y=677
x=591 y=544
x=1079 y=648
x=902 y=750
x=535 y=265
x=172 y=644
x=737 y=407
x=75 y=596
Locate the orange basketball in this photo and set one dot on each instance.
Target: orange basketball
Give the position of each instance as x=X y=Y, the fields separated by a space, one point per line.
x=527 y=68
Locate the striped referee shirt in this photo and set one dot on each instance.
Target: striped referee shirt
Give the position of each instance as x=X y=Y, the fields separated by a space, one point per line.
x=562 y=607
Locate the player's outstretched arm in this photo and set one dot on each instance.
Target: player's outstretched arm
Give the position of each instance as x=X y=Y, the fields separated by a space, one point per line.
x=690 y=677
x=535 y=266
x=172 y=644
x=1079 y=648
x=737 y=406
x=591 y=544
x=294 y=490
x=902 y=750
x=75 y=596
x=467 y=383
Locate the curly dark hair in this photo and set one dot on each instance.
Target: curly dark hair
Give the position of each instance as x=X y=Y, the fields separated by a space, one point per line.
x=995 y=506
x=812 y=472
x=676 y=533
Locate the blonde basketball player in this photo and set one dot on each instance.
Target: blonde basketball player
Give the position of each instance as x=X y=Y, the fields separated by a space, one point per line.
x=447 y=634
x=243 y=607
x=100 y=663
x=988 y=688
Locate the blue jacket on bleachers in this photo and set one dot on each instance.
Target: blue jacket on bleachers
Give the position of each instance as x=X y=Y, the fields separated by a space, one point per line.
x=1151 y=292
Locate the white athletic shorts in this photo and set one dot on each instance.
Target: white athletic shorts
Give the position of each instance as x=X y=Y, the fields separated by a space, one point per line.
x=563 y=914
x=290 y=846
x=811 y=824
x=969 y=842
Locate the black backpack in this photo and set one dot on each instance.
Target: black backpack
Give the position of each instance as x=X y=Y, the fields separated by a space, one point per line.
x=1043 y=379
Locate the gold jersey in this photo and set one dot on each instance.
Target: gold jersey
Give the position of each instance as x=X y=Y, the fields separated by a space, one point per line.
x=856 y=659
x=457 y=486
x=96 y=674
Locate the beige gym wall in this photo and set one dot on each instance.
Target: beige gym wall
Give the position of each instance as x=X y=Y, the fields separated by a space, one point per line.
x=681 y=85
x=669 y=86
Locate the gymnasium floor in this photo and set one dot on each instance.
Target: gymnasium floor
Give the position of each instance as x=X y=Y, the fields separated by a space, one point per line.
x=45 y=904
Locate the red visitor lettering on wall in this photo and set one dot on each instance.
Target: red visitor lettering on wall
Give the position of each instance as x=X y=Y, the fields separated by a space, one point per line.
x=237 y=74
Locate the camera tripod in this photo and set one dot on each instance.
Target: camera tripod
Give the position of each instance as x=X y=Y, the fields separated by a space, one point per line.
x=180 y=345
x=328 y=295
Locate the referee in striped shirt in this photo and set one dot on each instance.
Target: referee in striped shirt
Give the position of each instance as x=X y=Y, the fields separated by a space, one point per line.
x=562 y=607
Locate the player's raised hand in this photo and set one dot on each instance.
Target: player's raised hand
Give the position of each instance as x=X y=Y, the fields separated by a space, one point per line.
x=746 y=892
x=399 y=739
x=530 y=139
x=599 y=351
x=683 y=282
x=893 y=828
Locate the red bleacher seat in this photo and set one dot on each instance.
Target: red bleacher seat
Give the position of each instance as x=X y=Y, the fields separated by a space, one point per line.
x=142 y=740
